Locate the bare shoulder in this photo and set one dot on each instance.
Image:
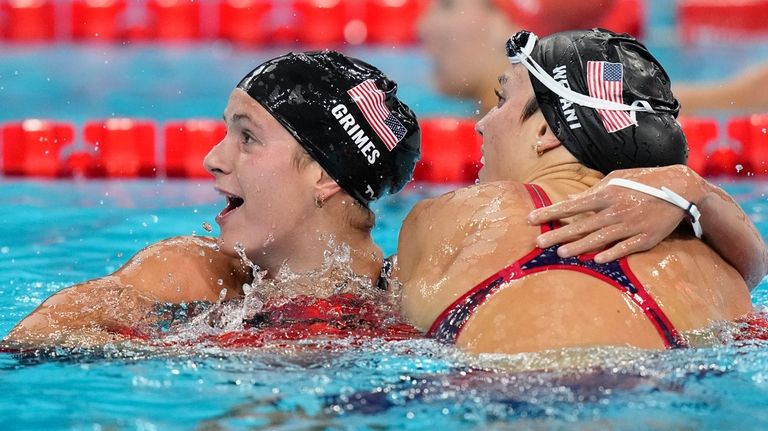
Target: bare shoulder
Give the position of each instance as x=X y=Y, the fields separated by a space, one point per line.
x=467 y=204
x=478 y=196
x=183 y=268
x=456 y=214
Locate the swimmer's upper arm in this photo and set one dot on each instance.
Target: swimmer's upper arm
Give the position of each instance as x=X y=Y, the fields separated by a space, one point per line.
x=411 y=242
x=182 y=269
x=730 y=232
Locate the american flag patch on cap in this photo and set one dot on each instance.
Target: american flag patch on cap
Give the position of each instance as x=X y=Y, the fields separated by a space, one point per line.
x=370 y=100
x=606 y=81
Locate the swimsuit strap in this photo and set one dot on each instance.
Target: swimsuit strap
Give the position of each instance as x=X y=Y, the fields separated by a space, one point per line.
x=541 y=200
x=449 y=324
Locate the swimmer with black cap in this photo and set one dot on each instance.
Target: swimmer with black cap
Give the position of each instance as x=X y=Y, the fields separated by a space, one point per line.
x=466 y=59
x=572 y=107
x=312 y=138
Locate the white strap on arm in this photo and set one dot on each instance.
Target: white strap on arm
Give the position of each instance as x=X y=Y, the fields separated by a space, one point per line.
x=665 y=194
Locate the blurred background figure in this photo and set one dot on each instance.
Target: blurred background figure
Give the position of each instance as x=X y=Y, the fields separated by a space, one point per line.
x=741 y=93
x=459 y=35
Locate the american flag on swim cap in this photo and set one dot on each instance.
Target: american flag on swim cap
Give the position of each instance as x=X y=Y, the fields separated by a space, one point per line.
x=606 y=81
x=370 y=100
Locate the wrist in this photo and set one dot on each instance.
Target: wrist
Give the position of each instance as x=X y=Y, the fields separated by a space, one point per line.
x=694 y=188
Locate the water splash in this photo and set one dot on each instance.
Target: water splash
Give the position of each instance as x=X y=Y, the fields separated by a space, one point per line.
x=334 y=276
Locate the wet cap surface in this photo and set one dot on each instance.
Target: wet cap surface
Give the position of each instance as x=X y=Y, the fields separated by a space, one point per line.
x=656 y=139
x=346 y=115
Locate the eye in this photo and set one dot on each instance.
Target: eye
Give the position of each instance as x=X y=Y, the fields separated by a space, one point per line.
x=500 y=96
x=248 y=138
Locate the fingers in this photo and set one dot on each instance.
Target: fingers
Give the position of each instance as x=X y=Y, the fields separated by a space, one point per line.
x=576 y=230
x=596 y=240
x=576 y=204
x=624 y=248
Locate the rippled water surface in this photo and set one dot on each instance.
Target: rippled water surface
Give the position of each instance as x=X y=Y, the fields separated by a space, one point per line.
x=53 y=234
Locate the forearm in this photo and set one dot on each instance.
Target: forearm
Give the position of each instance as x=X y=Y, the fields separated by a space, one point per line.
x=728 y=230
x=30 y=338
x=84 y=315
x=625 y=221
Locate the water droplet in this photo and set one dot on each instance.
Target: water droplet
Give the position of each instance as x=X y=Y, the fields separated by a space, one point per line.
x=5 y=250
x=739 y=168
x=220 y=282
x=207 y=227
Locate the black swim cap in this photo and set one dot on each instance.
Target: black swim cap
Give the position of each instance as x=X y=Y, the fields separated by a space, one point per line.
x=346 y=115
x=608 y=66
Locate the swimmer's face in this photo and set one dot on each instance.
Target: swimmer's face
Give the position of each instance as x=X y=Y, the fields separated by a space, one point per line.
x=268 y=197
x=508 y=140
x=456 y=36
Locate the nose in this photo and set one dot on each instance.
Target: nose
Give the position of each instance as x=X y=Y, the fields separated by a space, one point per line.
x=214 y=162
x=479 y=126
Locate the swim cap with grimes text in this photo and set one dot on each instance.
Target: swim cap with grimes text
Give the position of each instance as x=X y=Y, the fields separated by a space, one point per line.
x=346 y=115
x=606 y=98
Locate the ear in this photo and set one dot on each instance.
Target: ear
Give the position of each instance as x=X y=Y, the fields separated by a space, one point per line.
x=545 y=136
x=325 y=186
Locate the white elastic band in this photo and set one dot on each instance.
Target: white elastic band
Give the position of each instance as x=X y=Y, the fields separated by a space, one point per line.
x=667 y=195
x=524 y=57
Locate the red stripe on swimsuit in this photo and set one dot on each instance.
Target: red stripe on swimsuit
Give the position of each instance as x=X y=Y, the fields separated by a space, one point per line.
x=448 y=326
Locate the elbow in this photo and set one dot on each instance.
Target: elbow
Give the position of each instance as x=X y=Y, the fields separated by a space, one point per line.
x=755 y=273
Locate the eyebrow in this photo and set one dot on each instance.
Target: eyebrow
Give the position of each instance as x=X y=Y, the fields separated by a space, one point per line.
x=240 y=116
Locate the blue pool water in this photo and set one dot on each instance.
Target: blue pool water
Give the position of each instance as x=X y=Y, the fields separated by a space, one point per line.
x=53 y=234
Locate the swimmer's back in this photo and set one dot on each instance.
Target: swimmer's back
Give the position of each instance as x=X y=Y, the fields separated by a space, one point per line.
x=555 y=308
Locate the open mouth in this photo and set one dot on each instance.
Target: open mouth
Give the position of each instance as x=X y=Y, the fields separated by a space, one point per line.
x=233 y=203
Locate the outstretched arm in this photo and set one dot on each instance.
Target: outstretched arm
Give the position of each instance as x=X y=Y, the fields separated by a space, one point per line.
x=634 y=222
x=97 y=312
x=84 y=315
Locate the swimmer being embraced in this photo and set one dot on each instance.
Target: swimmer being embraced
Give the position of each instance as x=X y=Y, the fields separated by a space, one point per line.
x=299 y=165
x=471 y=270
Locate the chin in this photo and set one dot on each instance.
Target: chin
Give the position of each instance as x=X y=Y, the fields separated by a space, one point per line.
x=226 y=247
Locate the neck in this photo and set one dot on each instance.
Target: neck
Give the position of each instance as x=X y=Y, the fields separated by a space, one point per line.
x=321 y=261
x=573 y=175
